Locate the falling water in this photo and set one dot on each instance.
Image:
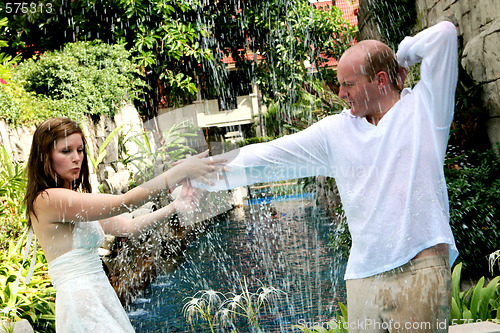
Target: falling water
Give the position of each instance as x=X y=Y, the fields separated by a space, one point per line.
x=272 y=243
x=280 y=244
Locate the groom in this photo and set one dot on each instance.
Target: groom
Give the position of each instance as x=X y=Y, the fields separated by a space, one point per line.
x=386 y=154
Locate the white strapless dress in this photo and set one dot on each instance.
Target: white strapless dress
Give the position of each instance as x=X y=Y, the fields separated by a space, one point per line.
x=85 y=300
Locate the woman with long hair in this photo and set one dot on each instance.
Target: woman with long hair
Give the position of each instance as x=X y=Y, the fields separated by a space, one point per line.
x=70 y=222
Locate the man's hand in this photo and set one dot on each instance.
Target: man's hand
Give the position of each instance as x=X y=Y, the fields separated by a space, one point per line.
x=402 y=73
x=201 y=167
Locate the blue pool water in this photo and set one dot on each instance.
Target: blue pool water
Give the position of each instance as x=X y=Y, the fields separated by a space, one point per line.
x=283 y=244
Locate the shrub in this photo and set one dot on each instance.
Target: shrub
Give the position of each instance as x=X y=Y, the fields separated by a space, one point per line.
x=84 y=78
x=17 y=106
x=474 y=193
x=34 y=302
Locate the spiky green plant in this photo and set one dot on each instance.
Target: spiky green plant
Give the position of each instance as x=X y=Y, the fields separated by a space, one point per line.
x=203 y=305
x=223 y=310
x=477 y=303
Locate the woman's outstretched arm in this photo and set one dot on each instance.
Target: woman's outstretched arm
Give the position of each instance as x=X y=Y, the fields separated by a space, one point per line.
x=63 y=205
x=124 y=226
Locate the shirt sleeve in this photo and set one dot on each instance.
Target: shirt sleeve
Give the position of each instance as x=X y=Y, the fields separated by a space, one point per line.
x=436 y=48
x=299 y=155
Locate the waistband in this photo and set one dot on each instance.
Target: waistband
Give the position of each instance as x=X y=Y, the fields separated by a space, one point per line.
x=420 y=263
x=73 y=264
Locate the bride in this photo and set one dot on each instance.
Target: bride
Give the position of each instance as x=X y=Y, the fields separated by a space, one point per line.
x=70 y=222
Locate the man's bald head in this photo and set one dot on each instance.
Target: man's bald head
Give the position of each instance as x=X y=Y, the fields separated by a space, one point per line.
x=377 y=57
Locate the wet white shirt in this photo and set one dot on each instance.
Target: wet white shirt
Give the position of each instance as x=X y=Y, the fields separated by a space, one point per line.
x=390 y=176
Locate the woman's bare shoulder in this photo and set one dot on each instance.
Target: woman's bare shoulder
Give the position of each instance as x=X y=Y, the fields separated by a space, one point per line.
x=49 y=194
x=50 y=200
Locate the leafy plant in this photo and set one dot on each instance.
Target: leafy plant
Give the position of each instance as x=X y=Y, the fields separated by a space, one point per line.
x=179 y=45
x=494 y=258
x=252 y=140
x=248 y=305
x=203 y=305
x=175 y=147
x=477 y=303
x=340 y=239
x=394 y=19
x=7 y=326
x=6 y=60
x=17 y=106
x=310 y=106
x=34 y=302
x=101 y=152
x=12 y=207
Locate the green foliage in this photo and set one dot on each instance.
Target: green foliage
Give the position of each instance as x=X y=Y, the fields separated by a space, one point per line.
x=309 y=108
x=493 y=259
x=17 y=106
x=14 y=100
x=3 y=22
x=254 y=139
x=286 y=34
x=474 y=194
x=175 y=147
x=34 y=302
x=468 y=130
x=84 y=78
x=6 y=61
x=12 y=207
x=179 y=45
x=479 y=303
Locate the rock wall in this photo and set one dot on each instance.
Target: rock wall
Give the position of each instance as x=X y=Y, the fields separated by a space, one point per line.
x=479 y=36
x=479 y=32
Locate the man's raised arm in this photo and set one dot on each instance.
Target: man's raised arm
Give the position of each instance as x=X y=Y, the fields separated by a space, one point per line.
x=436 y=48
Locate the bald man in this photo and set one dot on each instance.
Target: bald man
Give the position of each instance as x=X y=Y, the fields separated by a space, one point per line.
x=386 y=154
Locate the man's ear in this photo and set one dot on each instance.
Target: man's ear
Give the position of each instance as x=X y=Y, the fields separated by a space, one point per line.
x=383 y=80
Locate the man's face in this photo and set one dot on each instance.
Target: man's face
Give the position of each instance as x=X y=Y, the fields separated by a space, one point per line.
x=361 y=94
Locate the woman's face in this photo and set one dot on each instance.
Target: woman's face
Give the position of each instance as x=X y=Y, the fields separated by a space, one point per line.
x=67 y=157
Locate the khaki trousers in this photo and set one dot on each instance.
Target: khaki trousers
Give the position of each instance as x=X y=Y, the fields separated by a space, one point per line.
x=415 y=297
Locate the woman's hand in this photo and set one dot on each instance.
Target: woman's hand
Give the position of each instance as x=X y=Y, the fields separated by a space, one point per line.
x=201 y=168
x=187 y=200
